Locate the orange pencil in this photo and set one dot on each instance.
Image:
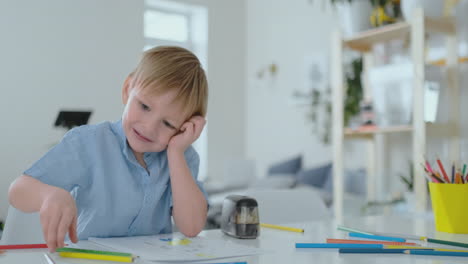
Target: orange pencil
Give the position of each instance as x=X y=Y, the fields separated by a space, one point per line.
x=355 y=241
x=457 y=178
x=443 y=170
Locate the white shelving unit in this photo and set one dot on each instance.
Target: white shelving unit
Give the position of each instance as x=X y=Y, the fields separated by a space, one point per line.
x=363 y=42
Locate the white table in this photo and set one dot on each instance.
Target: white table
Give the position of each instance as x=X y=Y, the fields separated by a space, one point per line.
x=281 y=244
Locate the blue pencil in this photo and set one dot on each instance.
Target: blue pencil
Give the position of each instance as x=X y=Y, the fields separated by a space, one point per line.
x=374 y=250
x=385 y=238
x=436 y=253
x=336 y=245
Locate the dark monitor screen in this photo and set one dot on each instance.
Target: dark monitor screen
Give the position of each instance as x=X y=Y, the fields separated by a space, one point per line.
x=70 y=119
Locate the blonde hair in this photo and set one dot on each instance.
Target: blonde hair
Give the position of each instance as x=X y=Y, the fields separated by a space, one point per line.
x=166 y=68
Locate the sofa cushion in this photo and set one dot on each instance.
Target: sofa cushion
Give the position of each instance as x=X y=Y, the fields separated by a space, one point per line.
x=289 y=166
x=315 y=176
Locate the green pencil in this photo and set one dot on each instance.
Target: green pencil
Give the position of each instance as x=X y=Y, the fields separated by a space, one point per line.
x=445 y=242
x=349 y=229
x=463 y=173
x=89 y=251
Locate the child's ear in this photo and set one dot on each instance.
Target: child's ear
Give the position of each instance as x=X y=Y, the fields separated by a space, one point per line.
x=126 y=89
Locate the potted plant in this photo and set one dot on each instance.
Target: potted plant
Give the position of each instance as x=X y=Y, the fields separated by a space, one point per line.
x=320 y=102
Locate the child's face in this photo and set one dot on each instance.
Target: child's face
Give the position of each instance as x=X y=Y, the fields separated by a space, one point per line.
x=149 y=121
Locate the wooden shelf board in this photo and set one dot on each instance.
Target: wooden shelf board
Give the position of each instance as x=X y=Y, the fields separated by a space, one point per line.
x=444 y=25
x=364 y=41
x=370 y=132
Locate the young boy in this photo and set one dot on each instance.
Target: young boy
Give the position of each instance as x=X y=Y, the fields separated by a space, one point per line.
x=127 y=178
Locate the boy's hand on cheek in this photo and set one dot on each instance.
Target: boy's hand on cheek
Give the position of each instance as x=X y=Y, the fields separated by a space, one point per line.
x=58 y=217
x=189 y=132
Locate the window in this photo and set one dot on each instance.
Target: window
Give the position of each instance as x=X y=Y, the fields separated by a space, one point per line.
x=184 y=25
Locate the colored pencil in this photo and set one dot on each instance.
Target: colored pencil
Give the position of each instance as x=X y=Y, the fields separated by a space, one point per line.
x=427 y=175
x=418 y=248
x=49 y=259
x=463 y=172
x=90 y=251
x=385 y=238
x=453 y=172
x=404 y=236
x=95 y=256
x=457 y=178
x=437 y=174
x=23 y=246
x=436 y=253
x=437 y=178
x=285 y=228
x=334 y=245
x=441 y=167
x=406 y=247
x=349 y=229
x=354 y=241
x=374 y=250
x=446 y=242
x=242 y=262
x=429 y=167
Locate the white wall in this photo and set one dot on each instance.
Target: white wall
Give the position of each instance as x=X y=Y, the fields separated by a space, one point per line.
x=226 y=77
x=59 y=54
x=285 y=33
x=76 y=54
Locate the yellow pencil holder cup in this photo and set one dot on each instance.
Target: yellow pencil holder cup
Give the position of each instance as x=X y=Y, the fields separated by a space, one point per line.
x=450 y=207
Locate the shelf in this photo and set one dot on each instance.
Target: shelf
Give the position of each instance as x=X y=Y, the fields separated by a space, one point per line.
x=365 y=40
x=442 y=62
x=368 y=133
x=435 y=129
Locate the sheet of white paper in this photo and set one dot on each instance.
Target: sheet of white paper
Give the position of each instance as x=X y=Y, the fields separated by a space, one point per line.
x=176 y=247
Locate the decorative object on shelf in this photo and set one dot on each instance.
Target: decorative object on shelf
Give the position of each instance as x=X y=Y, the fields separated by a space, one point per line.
x=367 y=113
x=271 y=69
x=353 y=15
x=385 y=12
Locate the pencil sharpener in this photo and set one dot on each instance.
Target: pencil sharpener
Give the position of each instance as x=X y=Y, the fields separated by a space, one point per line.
x=239 y=217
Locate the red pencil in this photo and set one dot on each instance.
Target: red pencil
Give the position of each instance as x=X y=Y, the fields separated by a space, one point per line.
x=23 y=246
x=443 y=171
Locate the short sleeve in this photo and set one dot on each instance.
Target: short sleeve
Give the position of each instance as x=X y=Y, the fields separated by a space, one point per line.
x=65 y=165
x=193 y=162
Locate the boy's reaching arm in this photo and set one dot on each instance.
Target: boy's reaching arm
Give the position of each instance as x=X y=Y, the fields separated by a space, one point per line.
x=56 y=207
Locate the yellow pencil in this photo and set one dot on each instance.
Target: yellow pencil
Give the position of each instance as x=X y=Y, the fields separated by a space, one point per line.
x=285 y=228
x=405 y=247
x=95 y=256
x=415 y=247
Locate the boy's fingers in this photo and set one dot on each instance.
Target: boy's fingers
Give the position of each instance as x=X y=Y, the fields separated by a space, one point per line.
x=45 y=225
x=51 y=232
x=72 y=232
x=62 y=229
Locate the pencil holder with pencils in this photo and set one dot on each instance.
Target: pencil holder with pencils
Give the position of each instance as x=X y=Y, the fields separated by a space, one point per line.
x=449 y=204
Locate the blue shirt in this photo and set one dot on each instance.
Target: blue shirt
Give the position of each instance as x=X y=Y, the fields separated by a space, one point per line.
x=114 y=194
